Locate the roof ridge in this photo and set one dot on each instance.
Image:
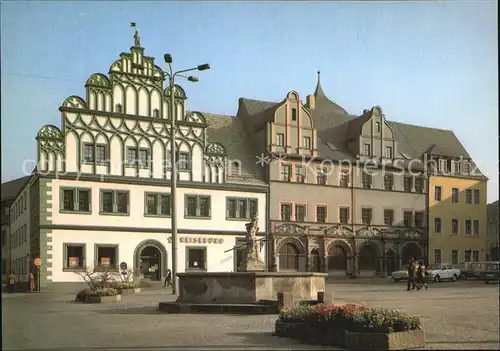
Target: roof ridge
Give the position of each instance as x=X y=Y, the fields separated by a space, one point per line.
x=423 y=127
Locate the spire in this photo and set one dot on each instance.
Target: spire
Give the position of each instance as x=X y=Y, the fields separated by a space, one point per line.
x=319 y=91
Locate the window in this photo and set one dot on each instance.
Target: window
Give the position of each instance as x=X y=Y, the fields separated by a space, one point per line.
x=106 y=256
x=156 y=113
x=476 y=196
x=144 y=158
x=240 y=208
x=437 y=225
x=454 y=195
x=157 y=204
x=88 y=153
x=437 y=193
x=286 y=173
x=419 y=185
x=131 y=156
x=344 y=179
x=366 y=180
x=388 y=181
x=456 y=167
x=101 y=155
x=196 y=258
x=114 y=201
x=366 y=216
x=377 y=127
x=419 y=219
x=454 y=226
x=475 y=256
x=467 y=167
x=197 y=206
x=388 y=217
x=476 y=227
x=299 y=174
x=6 y=211
x=366 y=150
x=300 y=213
x=437 y=256
x=468 y=227
x=294 y=114
x=467 y=255
x=239 y=249
x=321 y=176
x=74 y=256
x=118 y=108
x=75 y=199
x=407 y=183
x=307 y=143
x=388 y=152
x=468 y=196
x=407 y=219
x=321 y=214
x=183 y=161
x=454 y=256
x=286 y=212
x=344 y=215
x=280 y=139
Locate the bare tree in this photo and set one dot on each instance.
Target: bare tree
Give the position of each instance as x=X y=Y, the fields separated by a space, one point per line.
x=97 y=277
x=89 y=276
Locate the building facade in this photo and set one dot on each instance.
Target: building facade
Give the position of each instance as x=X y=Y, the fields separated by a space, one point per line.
x=493 y=210
x=101 y=193
x=457 y=209
x=347 y=193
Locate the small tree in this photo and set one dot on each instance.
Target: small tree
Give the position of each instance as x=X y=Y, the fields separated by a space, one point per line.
x=97 y=278
x=127 y=275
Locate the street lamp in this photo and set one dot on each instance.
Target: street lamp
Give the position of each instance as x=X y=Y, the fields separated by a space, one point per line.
x=173 y=150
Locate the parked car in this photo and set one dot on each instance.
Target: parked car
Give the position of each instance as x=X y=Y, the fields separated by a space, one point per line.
x=491 y=273
x=402 y=274
x=477 y=269
x=442 y=271
x=465 y=270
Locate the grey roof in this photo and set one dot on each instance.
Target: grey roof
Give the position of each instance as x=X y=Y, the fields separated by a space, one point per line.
x=229 y=131
x=12 y=188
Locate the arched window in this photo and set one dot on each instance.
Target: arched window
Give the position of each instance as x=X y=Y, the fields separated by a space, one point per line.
x=367 y=258
x=289 y=257
x=337 y=258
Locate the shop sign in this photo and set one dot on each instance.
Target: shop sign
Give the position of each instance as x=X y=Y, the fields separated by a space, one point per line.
x=198 y=240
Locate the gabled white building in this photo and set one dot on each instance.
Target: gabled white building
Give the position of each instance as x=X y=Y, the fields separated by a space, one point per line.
x=102 y=183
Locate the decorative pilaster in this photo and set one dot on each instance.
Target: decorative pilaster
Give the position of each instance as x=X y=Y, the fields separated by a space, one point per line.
x=308 y=257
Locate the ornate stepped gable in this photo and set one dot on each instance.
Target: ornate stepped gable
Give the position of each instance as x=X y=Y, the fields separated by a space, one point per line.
x=129 y=108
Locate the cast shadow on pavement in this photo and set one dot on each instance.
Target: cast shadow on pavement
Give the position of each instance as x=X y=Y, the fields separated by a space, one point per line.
x=131 y=310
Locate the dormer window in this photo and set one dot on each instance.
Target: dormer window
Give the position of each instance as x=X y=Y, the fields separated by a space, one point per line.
x=156 y=113
x=442 y=165
x=456 y=167
x=307 y=143
x=294 y=114
x=280 y=139
x=388 y=152
x=467 y=167
x=118 y=108
x=377 y=127
x=367 y=150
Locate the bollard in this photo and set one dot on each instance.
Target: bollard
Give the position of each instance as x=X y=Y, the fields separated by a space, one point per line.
x=285 y=300
x=325 y=298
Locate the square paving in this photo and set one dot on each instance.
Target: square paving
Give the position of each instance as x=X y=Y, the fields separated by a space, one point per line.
x=461 y=315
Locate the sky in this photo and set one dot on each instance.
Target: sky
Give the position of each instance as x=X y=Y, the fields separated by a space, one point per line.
x=433 y=64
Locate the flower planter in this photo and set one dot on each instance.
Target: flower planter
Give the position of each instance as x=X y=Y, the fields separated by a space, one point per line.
x=289 y=329
x=102 y=299
x=325 y=334
x=130 y=291
x=381 y=341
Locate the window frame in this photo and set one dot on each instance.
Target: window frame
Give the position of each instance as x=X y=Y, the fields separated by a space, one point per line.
x=348 y=214
x=468 y=232
x=148 y=158
x=474 y=231
x=84 y=153
x=422 y=219
x=248 y=214
x=388 y=152
x=300 y=177
x=454 y=195
x=294 y=114
x=280 y=139
x=283 y=173
x=391 y=211
x=367 y=149
x=76 y=200
x=187 y=166
x=455 y=224
x=366 y=180
x=306 y=142
x=318 y=206
x=436 y=192
x=410 y=224
x=114 y=205
x=474 y=197
x=198 y=207
x=438 y=220
x=303 y=205
x=321 y=178
x=205 y=261
x=391 y=177
x=106 y=154
x=454 y=261
x=158 y=204
x=344 y=175
x=468 y=199
x=438 y=252
x=65 y=266
x=281 y=211
x=96 y=256
x=410 y=178
x=370 y=209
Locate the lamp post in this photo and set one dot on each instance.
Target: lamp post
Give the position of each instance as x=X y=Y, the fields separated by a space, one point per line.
x=173 y=150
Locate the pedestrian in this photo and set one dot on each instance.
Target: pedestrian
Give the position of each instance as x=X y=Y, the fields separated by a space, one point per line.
x=415 y=282
x=11 y=282
x=421 y=275
x=32 y=282
x=411 y=281
x=168 y=279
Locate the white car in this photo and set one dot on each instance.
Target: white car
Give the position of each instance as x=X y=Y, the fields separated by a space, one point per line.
x=442 y=271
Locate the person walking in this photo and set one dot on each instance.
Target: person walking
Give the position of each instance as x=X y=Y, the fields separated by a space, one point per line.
x=421 y=275
x=411 y=281
x=168 y=279
x=32 y=282
x=11 y=283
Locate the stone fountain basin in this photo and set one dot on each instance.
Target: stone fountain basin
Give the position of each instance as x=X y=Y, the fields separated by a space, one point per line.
x=247 y=287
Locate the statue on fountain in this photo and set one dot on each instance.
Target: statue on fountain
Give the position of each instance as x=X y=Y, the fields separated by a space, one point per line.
x=251 y=261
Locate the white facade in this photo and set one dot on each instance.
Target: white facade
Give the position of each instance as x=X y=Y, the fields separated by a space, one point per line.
x=20 y=262
x=105 y=194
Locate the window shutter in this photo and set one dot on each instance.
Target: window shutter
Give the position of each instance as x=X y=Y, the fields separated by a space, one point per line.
x=115 y=200
x=209 y=207
x=185 y=205
x=101 y=201
x=76 y=195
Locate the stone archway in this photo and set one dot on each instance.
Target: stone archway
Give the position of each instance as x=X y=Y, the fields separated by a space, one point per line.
x=368 y=257
x=146 y=251
x=315 y=261
x=289 y=257
x=411 y=250
x=390 y=261
x=338 y=258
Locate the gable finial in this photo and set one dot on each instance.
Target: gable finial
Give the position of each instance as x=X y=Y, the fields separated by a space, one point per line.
x=319 y=91
x=137 y=38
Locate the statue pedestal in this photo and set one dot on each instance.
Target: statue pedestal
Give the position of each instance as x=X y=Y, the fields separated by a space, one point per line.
x=253 y=267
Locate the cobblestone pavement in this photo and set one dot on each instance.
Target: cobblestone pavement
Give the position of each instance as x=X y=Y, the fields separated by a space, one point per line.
x=461 y=315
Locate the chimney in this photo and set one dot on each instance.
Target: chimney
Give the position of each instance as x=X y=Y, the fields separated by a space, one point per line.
x=311 y=102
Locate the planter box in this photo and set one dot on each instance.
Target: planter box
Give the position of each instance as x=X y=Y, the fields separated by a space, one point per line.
x=379 y=341
x=102 y=299
x=310 y=333
x=130 y=291
x=289 y=329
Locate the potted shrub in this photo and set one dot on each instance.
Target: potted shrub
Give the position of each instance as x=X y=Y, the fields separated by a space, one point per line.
x=126 y=288
x=98 y=295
